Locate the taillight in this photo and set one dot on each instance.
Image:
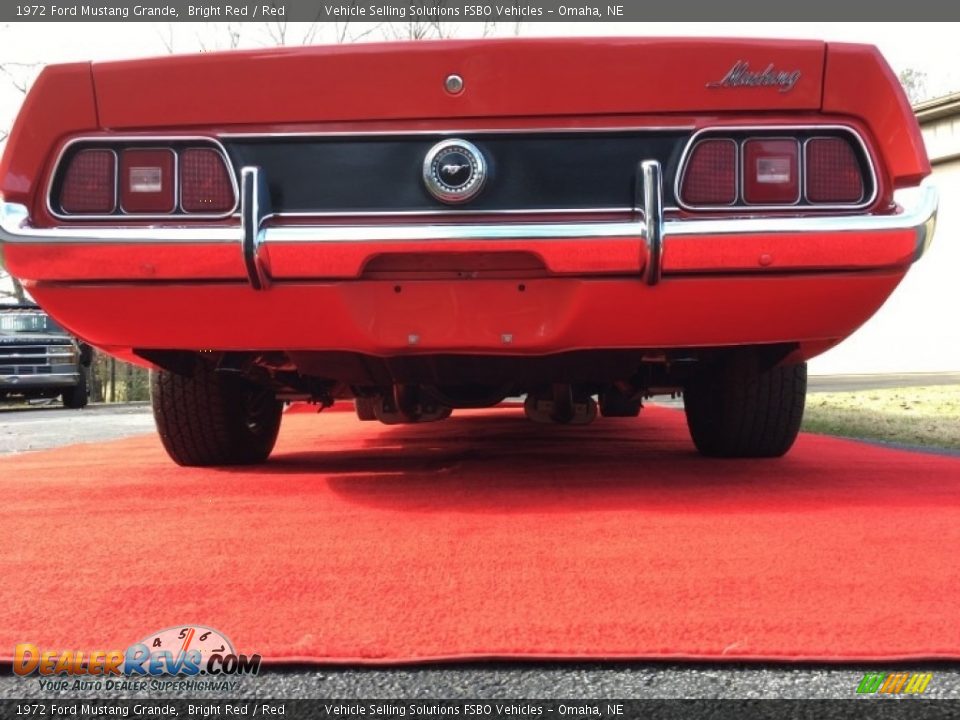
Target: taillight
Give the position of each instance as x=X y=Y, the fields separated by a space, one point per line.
x=129 y=177
x=710 y=177
x=833 y=173
x=89 y=184
x=147 y=180
x=770 y=168
x=771 y=171
x=205 y=185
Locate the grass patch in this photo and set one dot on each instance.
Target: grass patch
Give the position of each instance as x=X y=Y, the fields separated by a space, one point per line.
x=927 y=416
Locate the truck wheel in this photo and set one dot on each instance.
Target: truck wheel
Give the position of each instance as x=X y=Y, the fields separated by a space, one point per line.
x=740 y=409
x=212 y=419
x=77 y=396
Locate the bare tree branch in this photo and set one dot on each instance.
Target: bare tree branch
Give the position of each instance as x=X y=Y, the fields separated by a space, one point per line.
x=372 y=29
x=424 y=29
x=21 y=76
x=22 y=79
x=441 y=29
x=416 y=30
x=277 y=34
x=234 y=30
x=311 y=33
x=281 y=33
x=166 y=38
x=209 y=38
x=18 y=293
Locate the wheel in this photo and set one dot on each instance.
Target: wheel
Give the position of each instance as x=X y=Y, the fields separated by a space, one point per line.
x=615 y=404
x=365 y=408
x=209 y=418
x=77 y=396
x=738 y=408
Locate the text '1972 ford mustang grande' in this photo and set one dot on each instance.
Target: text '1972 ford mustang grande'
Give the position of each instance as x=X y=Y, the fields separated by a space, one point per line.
x=438 y=225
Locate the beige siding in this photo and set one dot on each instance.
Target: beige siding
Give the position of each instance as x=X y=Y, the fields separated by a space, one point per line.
x=918 y=329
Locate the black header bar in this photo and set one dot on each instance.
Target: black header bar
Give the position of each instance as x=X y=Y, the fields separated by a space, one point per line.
x=875 y=708
x=468 y=11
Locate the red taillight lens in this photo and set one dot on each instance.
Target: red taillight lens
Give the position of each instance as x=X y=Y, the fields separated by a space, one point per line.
x=771 y=173
x=711 y=174
x=147 y=181
x=89 y=185
x=833 y=173
x=205 y=185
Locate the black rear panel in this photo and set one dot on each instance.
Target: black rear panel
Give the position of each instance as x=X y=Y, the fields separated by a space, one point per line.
x=533 y=171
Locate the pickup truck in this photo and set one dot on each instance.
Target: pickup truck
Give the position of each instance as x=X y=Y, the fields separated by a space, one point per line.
x=39 y=359
x=426 y=226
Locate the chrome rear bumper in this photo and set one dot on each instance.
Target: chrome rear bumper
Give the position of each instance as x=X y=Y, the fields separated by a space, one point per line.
x=917 y=212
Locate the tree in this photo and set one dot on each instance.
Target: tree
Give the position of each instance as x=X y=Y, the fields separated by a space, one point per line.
x=420 y=30
x=211 y=40
x=21 y=77
x=15 y=291
x=914 y=84
x=279 y=33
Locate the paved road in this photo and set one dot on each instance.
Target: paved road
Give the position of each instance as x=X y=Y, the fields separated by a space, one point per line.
x=22 y=430
x=546 y=681
x=40 y=427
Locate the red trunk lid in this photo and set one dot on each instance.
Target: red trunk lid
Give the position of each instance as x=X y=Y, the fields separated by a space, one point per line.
x=502 y=78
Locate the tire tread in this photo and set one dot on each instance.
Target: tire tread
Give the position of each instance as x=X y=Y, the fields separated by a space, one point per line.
x=201 y=420
x=738 y=409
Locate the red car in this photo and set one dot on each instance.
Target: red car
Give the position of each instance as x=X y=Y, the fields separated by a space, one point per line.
x=438 y=225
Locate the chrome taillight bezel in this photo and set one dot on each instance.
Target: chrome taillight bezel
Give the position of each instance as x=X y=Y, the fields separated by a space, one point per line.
x=799 y=133
x=118 y=143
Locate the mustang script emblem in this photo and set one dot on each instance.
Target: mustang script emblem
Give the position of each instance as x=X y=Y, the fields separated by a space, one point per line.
x=740 y=75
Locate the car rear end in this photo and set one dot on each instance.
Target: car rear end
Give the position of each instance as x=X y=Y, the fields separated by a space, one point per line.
x=434 y=225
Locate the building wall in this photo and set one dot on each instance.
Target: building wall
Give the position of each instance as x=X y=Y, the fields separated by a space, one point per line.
x=918 y=329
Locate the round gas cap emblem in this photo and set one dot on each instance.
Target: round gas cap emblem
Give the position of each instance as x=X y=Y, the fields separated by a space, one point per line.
x=453 y=84
x=454 y=171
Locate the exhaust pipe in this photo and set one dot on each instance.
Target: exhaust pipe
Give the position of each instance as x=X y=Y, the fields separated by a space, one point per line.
x=560 y=405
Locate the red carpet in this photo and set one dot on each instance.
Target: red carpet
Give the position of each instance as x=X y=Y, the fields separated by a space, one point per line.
x=488 y=536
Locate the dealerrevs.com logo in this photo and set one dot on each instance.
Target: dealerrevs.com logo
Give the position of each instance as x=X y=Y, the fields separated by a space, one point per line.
x=183 y=652
x=894 y=683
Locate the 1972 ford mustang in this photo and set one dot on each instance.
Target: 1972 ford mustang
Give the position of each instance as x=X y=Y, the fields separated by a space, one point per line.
x=439 y=225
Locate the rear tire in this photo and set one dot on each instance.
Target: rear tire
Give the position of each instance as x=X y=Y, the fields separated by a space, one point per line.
x=77 y=397
x=365 y=407
x=739 y=409
x=209 y=418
